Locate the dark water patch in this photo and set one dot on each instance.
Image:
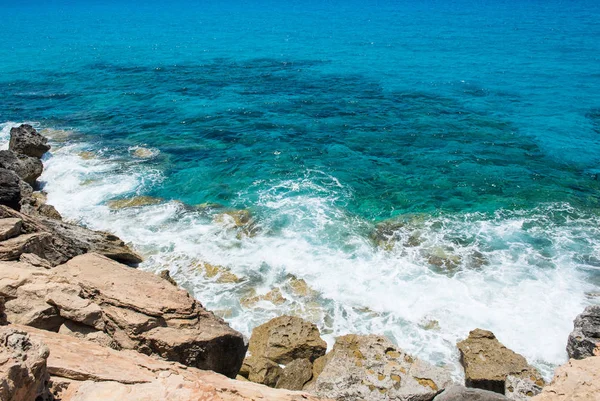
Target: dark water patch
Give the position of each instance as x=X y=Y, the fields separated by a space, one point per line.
x=594 y=116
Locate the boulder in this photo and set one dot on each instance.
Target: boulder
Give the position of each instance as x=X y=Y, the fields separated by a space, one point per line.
x=295 y=375
x=27 y=141
x=35 y=204
x=10 y=191
x=286 y=338
x=83 y=371
x=489 y=365
x=121 y=307
x=577 y=380
x=63 y=241
x=9 y=228
x=584 y=341
x=23 y=374
x=370 y=367
x=462 y=393
x=27 y=168
x=261 y=370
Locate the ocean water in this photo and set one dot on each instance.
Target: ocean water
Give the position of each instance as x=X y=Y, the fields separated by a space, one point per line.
x=426 y=167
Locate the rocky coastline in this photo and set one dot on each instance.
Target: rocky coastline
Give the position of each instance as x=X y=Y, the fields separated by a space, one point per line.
x=78 y=321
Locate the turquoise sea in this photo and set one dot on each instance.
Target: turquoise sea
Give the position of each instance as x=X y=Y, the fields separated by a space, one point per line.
x=467 y=131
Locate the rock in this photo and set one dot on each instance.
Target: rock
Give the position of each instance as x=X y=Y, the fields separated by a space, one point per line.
x=3 y=320
x=372 y=368
x=34 y=260
x=35 y=205
x=222 y=274
x=261 y=370
x=84 y=371
x=27 y=168
x=286 y=338
x=577 y=380
x=461 y=393
x=69 y=240
x=489 y=365
x=144 y=153
x=138 y=310
x=87 y=155
x=88 y=333
x=584 y=341
x=9 y=228
x=23 y=374
x=240 y=220
x=25 y=140
x=133 y=202
x=295 y=375
x=10 y=191
x=274 y=296
x=165 y=275
x=13 y=248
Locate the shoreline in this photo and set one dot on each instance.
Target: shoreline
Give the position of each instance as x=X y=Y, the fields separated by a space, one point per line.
x=48 y=220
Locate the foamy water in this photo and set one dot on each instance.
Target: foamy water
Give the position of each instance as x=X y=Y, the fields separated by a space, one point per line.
x=522 y=274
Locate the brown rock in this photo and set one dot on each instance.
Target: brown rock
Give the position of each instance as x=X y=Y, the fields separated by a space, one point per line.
x=9 y=228
x=295 y=375
x=489 y=365
x=165 y=275
x=286 y=338
x=261 y=370
x=577 y=380
x=372 y=368
x=136 y=309
x=23 y=375
x=84 y=371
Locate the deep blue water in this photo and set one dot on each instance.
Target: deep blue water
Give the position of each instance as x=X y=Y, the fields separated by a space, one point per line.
x=481 y=118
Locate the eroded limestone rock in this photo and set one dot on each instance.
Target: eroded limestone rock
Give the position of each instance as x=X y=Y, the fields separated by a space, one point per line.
x=577 y=380
x=584 y=341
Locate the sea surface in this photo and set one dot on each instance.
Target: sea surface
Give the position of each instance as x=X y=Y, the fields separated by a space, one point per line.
x=413 y=168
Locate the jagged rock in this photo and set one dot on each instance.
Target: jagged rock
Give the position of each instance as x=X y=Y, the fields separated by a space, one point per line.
x=34 y=260
x=372 y=368
x=462 y=393
x=286 y=338
x=9 y=228
x=13 y=248
x=584 y=341
x=577 y=380
x=27 y=141
x=136 y=309
x=10 y=191
x=261 y=370
x=295 y=375
x=165 y=275
x=84 y=371
x=23 y=374
x=35 y=205
x=67 y=240
x=27 y=168
x=489 y=365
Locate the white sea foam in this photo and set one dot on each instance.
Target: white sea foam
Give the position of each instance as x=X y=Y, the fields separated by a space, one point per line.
x=526 y=294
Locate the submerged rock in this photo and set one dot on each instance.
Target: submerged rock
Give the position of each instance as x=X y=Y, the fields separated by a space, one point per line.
x=577 y=380
x=286 y=338
x=584 y=341
x=133 y=202
x=222 y=274
x=240 y=220
x=372 y=368
x=144 y=153
x=489 y=365
x=134 y=309
x=274 y=296
x=83 y=371
x=27 y=141
x=23 y=373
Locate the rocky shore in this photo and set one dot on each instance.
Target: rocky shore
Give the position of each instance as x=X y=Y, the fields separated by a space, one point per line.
x=78 y=321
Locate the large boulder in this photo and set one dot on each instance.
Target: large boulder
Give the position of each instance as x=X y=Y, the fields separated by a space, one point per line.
x=124 y=307
x=286 y=338
x=261 y=370
x=371 y=368
x=10 y=190
x=295 y=375
x=462 y=393
x=23 y=374
x=577 y=380
x=83 y=371
x=584 y=341
x=27 y=168
x=489 y=365
x=27 y=141
x=64 y=241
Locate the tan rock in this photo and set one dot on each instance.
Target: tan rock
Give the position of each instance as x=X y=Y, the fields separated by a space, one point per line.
x=9 y=228
x=23 y=374
x=577 y=380
x=261 y=370
x=88 y=333
x=274 y=296
x=222 y=274
x=86 y=155
x=144 y=153
x=13 y=248
x=165 y=275
x=286 y=338
x=295 y=375
x=372 y=368
x=84 y=371
x=489 y=365
x=136 y=201
x=240 y=220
